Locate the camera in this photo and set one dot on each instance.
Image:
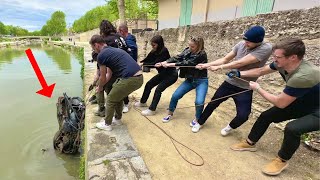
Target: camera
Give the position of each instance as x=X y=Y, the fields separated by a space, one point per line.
x=94 y=56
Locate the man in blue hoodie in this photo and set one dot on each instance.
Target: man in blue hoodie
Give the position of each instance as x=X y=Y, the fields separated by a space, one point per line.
x=132 y=51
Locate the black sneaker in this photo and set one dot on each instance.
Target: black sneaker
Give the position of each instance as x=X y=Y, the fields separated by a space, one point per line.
x=101 y=112
x=94 y=97
x=94 y=102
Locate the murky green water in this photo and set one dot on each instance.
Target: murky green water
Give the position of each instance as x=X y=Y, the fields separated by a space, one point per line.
x=28 y=121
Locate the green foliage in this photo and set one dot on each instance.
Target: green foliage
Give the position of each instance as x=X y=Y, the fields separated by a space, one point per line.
x=135 y=9
x=106 y=162
x=56 y=39
x=92 y=18
x=56 y=25
x=3 y=29
x=82 y=168
x=35 y=33
x=12 y=30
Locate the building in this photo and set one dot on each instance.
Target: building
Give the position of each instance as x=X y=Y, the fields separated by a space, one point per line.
x=174 y=13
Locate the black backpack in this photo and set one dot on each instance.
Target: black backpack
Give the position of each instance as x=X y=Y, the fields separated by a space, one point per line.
x=70 y=115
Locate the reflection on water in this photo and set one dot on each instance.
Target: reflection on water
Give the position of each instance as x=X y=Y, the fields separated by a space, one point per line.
x=27 y=120
x=7 y=55
x=61 y=57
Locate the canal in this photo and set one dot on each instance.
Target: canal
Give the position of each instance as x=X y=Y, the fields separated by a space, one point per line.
x=28 y=121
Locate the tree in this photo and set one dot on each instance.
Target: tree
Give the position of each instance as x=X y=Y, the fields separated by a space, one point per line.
x=122 y=11
x=135 y=9
x=2 y=28
x=56 y=25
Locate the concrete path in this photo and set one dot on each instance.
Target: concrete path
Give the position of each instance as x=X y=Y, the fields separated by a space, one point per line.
x=110 y=155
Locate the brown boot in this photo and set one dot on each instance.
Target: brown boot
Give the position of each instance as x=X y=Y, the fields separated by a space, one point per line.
x=275 y=167
x=243 y=146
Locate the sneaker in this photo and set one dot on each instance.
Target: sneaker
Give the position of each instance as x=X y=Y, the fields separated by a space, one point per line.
x=167 y=118
x=117 y=122
x=139 y=104
x=225 y=131
x=148 y=112
x=94 y=102
x=103 y=126
x=275 y=167
x=196 y=128
x=193 y=122
x=125 y=108
x=243 y=146
x=92 y=98
x=100 y=112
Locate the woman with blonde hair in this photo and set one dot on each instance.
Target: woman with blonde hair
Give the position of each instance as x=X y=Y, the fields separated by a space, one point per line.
x=194 y=78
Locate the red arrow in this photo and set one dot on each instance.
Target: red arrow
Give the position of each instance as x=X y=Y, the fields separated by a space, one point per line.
x=46 y=90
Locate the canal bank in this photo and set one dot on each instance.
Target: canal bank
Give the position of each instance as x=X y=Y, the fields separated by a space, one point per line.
x=108 y=155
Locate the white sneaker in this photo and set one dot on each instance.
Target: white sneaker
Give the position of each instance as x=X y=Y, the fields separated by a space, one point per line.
x=196 y=128
x=125 y=108
x=139 y=104
x=148 y=112
x=193 y=122
x=225 y=131
x=116 y=121
x=103 y=126
x=167 y=118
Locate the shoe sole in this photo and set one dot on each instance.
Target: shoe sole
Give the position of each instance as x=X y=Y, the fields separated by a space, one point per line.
x=276 y=173
x=99 y=115
x=246 y=149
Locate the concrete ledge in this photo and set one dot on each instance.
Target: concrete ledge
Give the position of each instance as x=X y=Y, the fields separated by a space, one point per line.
x=109 y=154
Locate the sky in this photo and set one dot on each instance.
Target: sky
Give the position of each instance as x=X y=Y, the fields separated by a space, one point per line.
x=33 y=14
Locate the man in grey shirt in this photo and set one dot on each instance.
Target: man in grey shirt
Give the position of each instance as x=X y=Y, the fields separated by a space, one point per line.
x=250 y=53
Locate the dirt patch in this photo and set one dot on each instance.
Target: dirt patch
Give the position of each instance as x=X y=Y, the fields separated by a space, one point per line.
x=220 y=162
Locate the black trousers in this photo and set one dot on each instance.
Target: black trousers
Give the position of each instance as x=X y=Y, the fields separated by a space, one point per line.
x=308 y=120
x=243 y=104
x=163 y=81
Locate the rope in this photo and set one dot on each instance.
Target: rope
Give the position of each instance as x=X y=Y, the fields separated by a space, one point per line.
x=87 y=96
x=215 y=99
x=173 y=140
x=171 y=66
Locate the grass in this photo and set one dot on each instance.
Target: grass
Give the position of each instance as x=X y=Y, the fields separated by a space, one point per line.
x=106 y=162
x=82 y=167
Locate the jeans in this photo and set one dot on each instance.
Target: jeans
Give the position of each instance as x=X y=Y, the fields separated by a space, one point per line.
x=308 y=120
x=243 y=104
x=201 y=86
x=163 y=81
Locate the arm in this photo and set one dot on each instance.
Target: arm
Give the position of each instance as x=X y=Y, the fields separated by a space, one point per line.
x=248 y=59
x=105 y=76
x=281 y=101
x=256 y=72
x=217 y=62
x=178 y=57
x=96 y=77
x=193 y=59
x=147 y=59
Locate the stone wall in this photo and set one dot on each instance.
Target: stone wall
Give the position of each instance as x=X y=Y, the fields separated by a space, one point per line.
x=221 y=36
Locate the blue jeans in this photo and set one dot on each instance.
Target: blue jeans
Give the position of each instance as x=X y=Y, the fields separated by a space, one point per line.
x=201 y=86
